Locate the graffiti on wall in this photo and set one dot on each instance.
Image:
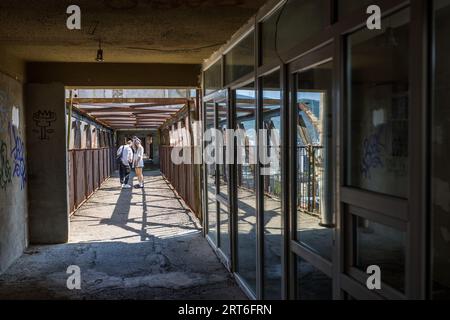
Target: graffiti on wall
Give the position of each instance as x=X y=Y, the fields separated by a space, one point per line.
x=44 y=121
x=18 y=157
x=5 y=167
x=372 y=150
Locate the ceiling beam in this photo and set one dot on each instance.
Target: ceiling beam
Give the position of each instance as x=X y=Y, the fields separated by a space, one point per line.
x=126 y=109
x=155 y=116
x=160 y=101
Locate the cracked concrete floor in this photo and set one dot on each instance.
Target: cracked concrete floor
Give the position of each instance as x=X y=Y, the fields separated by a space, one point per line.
x=129 y=244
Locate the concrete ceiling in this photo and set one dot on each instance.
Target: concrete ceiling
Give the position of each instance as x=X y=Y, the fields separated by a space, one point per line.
x=146 y=31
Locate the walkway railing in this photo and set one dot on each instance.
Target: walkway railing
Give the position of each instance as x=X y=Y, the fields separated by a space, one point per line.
x=88 y=169
x=183 y=177
x=309 y=178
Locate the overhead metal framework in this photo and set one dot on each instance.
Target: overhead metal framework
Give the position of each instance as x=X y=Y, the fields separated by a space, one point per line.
x=148 y=113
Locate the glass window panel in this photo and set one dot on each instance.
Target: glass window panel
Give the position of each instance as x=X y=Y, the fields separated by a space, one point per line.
x=315 y=216
x=222 y=116
x=346 y=7
x=440 y=147
x=213 y=78
x=224 y=229
x=240 y=61
x=300 y=21
x=268 y=45
x=211 y=178
x=383 y=246
x=271 y=177
x=246 y=187
x=312 y=284
x=378 y=107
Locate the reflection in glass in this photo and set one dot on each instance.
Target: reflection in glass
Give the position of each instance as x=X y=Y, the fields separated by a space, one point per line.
x=378 y=107
x=240 y=61
x=301 y=20
x=383 y=246
x=211 y=178
x=246 y=187
x=440 y=148
x=315 y=218
x=346 y=7
x=224 y=229
x=268 y=33
x=213 y=76
x=271 y=176
x=222 y=117
x=312 y=284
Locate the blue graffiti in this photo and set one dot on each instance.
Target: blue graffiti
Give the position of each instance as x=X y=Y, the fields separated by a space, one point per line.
x=18 y=156
x=372 y=148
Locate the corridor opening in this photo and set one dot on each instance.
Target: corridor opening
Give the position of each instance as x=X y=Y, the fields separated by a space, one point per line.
x=103 y=120
x=353 y=120
x=138 y=243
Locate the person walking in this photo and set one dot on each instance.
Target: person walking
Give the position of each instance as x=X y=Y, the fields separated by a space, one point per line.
x=138 y=162
x=125 y=159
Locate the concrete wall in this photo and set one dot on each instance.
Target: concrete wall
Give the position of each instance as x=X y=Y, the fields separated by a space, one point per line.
x=47 y=159
x=13 y=172
x=115 y=74
x=11 y=66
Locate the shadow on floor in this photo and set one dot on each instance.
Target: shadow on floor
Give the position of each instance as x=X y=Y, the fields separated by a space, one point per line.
x=129 y=244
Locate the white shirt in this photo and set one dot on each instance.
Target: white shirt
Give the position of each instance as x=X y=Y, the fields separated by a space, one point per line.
x=139 y=157
x=127 y=155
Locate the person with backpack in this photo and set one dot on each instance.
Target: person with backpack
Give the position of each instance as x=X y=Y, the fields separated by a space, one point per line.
x=124 y=159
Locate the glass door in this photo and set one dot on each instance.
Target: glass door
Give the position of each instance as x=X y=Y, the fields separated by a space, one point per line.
x=245 y=169
x=273 y=187
x=217 y=175
x=210 y=178
x=223 y=173
x=376 y=155
x=312 y=214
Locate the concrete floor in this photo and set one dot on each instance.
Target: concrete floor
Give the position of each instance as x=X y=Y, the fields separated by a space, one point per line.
x=129 y=244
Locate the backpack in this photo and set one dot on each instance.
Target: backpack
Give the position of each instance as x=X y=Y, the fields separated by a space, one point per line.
x=119 y=157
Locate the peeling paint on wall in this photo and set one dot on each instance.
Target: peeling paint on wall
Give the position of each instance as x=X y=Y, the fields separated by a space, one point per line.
x=15 y=118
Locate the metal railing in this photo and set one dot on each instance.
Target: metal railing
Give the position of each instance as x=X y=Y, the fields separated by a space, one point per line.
x=185 y=178
x=309 y=178
x=88 y=169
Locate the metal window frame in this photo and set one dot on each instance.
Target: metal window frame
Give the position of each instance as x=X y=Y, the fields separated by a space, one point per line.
x=408 y=214
x=323 y=55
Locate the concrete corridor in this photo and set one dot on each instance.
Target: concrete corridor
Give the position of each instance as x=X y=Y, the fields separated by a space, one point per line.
x=129 y=244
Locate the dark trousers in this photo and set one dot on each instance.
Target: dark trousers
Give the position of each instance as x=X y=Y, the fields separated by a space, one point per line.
x=124 y=172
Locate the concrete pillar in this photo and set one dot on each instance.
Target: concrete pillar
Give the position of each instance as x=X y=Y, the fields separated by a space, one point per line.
x=47 y=160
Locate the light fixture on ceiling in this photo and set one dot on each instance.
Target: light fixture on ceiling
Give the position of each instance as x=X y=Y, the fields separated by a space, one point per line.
x=99 y=57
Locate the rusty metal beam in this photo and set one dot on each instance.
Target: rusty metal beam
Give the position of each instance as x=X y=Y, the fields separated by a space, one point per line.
x=155 y=116
x=126 y=109
x=161 y=101
x=87 y=115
